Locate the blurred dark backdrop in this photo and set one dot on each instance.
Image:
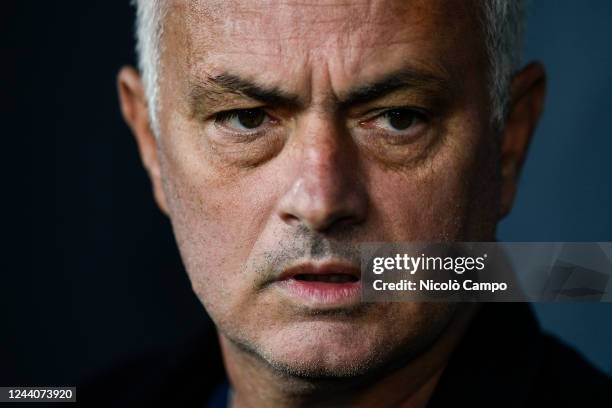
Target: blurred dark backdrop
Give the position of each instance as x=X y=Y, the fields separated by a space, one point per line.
x=91 y=275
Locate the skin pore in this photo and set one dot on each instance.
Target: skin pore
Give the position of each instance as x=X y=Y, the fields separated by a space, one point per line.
x=292 y=131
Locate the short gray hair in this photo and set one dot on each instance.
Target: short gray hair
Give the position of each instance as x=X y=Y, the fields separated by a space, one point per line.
x=503 y=26
x=149 y=31
x=502 y=23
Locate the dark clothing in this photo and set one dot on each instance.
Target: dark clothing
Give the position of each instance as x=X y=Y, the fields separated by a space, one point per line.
x=181 y=378
x=504 y=360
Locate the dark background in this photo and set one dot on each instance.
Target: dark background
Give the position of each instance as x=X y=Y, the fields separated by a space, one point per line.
x=90 y=272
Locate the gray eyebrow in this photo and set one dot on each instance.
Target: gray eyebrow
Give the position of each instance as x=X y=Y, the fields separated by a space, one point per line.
x=213 y=87
x=408 y=78
x=233 y=84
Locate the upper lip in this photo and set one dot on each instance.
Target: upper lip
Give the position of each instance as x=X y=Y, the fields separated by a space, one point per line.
x=323 y=268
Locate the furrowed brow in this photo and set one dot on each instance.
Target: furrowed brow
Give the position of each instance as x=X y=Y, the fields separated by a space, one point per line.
x=215 y=90
x=420 y=81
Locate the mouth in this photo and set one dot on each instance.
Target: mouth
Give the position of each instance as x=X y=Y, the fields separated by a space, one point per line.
x=328 y=278
x=322 y=285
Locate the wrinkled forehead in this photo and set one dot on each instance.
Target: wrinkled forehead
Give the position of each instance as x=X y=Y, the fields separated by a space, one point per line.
x=294 y=40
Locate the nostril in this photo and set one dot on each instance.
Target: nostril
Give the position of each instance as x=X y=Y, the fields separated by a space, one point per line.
x=321 y=223
x=343 y=220
x=338 y=221
x=290 y=219
x=320 y=205
x=324 y=224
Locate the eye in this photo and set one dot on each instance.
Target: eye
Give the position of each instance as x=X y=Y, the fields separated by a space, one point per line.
x=398 y=120
x=243 y=119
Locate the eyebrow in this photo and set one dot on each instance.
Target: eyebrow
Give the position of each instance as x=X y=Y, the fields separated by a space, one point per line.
x=406 y=78
x=215 y=88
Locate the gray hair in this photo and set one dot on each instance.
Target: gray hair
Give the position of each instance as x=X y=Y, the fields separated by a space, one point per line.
x=502 y=23
x=149 y=30
x=503 y=26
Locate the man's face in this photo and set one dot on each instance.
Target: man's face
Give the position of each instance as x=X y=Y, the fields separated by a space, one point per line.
x=291 y=132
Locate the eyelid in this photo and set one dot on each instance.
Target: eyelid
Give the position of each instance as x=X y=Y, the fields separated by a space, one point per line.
x=231 y=112
x=220 y=122
x=374 y=114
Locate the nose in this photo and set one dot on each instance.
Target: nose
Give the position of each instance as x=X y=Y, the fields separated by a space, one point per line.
x=327 y=190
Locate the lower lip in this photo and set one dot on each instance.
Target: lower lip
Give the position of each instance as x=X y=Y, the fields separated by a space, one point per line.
x=322 y=294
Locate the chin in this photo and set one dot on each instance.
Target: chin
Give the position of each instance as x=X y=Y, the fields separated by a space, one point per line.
x=335 y=349
x=319 y=350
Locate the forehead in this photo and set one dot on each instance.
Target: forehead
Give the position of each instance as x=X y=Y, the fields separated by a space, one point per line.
x=298 y=42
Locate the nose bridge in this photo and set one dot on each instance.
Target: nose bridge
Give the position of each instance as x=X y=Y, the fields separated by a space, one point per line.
x=325 y=188
x=323 y=155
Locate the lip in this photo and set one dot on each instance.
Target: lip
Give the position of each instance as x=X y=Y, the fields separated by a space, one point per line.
x=317 y=294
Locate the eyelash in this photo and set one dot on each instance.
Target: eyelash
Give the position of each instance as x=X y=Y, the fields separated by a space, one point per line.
x=222 y=118
x=420 y=113
x=225 y=116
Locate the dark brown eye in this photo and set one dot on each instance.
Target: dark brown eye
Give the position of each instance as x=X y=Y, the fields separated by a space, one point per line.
x=401 y=119
x=243 y=119
x=251 y=118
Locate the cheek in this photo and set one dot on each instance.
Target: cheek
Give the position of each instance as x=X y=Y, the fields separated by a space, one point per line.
x=215 y=225
x=431 y=208
x=422 y=205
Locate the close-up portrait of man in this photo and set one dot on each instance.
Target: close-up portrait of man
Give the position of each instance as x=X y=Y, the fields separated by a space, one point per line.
x=279 y=136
